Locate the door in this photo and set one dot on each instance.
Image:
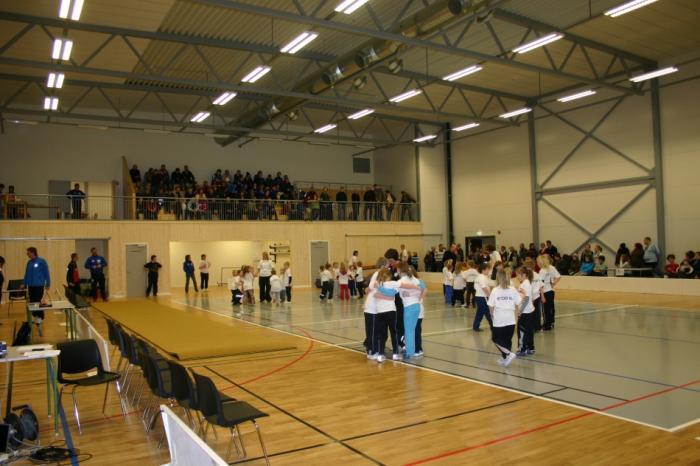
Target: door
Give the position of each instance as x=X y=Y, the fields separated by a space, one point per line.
x=478 y=242
x=136 y=257
x=319 y=257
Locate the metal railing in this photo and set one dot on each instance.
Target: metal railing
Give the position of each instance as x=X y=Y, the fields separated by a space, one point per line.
x=53 y=207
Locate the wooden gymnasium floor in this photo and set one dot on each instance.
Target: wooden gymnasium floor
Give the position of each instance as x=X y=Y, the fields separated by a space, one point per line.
x=617 y=382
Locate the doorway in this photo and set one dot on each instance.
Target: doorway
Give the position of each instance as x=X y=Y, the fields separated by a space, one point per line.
x=136 y=257
x=478 y=242
x=318 y=257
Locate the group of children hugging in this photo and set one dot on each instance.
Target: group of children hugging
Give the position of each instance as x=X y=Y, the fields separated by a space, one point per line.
x=274 y=287
x=507 y=298
x=342 y=281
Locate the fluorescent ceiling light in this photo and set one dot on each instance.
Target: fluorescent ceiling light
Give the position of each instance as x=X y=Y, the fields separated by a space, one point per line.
x=578 y=95
x=55 y=80
x=425 y=138
x=517 y=112
x=405 y=96
x=349 y=6
x=65 y=8
x=654 y=74
x=467 y=126
x=61 y=49
x=542 y=41
x=301 y=41
x=256 y=74
x=200 y=117
x=224 y=98
x=361 y=113
x=323 y=129
x=51 y=103
x=627 y=7
x=462 y=73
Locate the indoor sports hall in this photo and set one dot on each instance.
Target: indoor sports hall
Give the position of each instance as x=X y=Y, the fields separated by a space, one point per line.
x=389 y=232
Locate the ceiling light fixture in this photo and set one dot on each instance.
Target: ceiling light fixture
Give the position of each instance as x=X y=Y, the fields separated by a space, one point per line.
x=65 y=8
x=361 y=113
x=55 y=80
x=395 y=66
x=349 y=6
x=467 y=126
x=462 y=73
x=293 y=115
x=405 y=96
x=359 y=82
x=425 y=138
x=51 y=103
x=200 y=117
x=332 y=75
x=627 y=7
x=654 y=74
x=323 y=129
x=366 y=57
x=298 y=43
x=517 y=112
x=578 y=95
x=256 y=74
x=225 y=98
x=539 y=42
x=61 y=49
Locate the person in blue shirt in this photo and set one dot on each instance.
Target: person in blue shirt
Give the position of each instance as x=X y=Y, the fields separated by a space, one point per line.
x=37 y=279
x=96 y=265
x=188 y=268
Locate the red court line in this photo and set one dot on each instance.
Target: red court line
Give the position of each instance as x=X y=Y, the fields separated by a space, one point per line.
x=546 y=426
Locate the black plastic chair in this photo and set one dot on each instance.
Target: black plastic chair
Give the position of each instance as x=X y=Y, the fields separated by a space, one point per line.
x=15 y=293
x=79 y=357
x=220 y=410
x=159 y=381
x=185 y=393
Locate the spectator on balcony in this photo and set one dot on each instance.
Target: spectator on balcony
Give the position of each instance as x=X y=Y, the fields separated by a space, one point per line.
x=379 y=200
x=671 y=269
x=651 y=256
x=600 y=269
x=406 y=206
x=369 y=200
x=637 y=256
x=355 y=197
x=176 y=177
x=587 y=266
x=76 y=197
x=621 y=251
x=164 y=175
x=135 y=174
x=586 y=252
x=341 y=199
x=11 y=203
x=217 y=176
x=597 y=251
x=390 y=203
x=686 y=270
x=575 y=264
x=550 y=249
x=326 y=205
x=187 y=176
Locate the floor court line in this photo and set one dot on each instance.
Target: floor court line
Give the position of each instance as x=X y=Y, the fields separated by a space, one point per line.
x=455 y=376
x=596 y=311
x=628 y=334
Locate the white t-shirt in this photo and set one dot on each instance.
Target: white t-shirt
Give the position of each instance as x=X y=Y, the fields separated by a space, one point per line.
x=287 y=277
x=495 y=257
x=353 y=260
x=446 y=276
x=548 y=275
x=460 y=281
x=471 y=275
x=343 y=278
x=370 y=307
x=335 y=272
x=410 y=296
x=248 y=281
x=386 y=305
x=204 y=266
x=526 y=288
x=359 y=274
x=234 y=283
x=275 y=283
x=536 y=285
x=326 y=276
x=504 y=302
x=265 y=268
x=481 y=283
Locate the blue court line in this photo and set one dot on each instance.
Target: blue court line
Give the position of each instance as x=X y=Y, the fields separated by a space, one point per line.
x=67 y=435
x=628 y=334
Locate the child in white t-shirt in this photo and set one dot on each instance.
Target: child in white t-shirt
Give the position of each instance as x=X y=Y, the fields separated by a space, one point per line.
x=470 y=276
x=326 y=278
x=526 y=322
x=459 y=284
x=360 y=280
x=481 y=294
x=287 y=283
x=447 y=278
x=248 y=285
x=343 y=278
x=276 y=288
x=235 y=284
x=504 y=305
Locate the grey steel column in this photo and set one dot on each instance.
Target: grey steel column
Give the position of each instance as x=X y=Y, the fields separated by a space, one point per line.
x=533 y=177
x=658 y=167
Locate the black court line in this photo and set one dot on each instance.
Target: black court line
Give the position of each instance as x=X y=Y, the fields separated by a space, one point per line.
x=441 y=418
x=280 y=453
x=311 y=426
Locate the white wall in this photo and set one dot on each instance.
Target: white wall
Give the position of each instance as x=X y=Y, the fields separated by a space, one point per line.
x=396 y=167
x=42 y=152
x=433 y=194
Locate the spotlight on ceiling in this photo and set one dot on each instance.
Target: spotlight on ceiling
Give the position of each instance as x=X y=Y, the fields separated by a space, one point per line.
x=359 y=82
x=293 y=115
x=457 y=7
x=395 y=65
x=366 y=57
x=331 y=76
x=270 y=110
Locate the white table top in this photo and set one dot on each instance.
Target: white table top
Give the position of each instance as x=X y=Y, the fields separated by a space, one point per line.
x=25 y=353
x=58 y=305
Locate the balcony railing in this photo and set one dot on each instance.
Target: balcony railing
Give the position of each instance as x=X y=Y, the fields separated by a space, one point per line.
x=52 y=207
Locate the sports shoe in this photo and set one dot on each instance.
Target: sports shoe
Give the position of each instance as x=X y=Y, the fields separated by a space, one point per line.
x=418 y=354
x=396 y=357
x=521 y=353
x=372 y=356
x=381 y=358
x=402 y=349
x=500 y=361
x=509 y=359
x=530 y=352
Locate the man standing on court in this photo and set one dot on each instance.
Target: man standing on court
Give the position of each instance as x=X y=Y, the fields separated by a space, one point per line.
x=651 y=256
x=96 y=265
x=36 y=279
x=76 y=197
x=153 y=267
x=204 y=265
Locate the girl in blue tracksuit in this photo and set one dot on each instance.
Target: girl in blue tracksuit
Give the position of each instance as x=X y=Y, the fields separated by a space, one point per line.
x=188 y=268
x=412 y=305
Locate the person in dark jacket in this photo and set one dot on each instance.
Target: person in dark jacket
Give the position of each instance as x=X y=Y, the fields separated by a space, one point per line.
x=355 y=197
x=76 y=197
x=153 y=267
x=369 y=199
x=341 y=198
x=73 y=274
x=188 y=268
x=96 y=265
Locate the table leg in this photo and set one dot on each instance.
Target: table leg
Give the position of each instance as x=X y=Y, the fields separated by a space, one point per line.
x=29 y=320
x=48 y=388
x=53 y=380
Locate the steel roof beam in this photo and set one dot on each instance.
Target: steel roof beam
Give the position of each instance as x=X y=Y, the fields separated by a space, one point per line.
x=367 y=32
